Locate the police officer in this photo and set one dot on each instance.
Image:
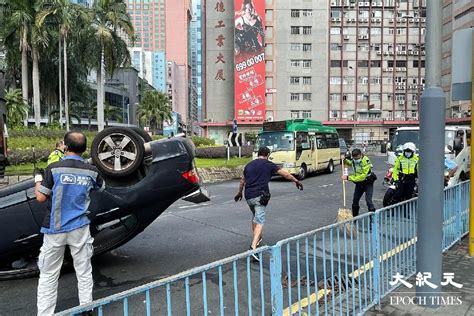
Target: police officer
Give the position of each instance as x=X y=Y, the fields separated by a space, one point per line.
x=405 y=172
x=363 y=178
x=67 y=184
x=57 y=154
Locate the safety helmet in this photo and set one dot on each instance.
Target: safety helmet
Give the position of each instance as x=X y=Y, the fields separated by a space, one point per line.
x=409 y=146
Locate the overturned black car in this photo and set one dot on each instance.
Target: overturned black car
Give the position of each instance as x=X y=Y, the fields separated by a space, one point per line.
x=143 y=179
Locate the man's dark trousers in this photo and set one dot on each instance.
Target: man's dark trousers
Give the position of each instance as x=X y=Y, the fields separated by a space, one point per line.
x=360 y=189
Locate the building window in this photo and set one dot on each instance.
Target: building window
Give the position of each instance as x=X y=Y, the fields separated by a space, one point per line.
x=269 y=15
x=335 y=80
x=376 y=63
x=306 y=80
x=295 y=47
x=335 y=30
x=399 y=96
x=363 y=80
x=295 y=30
x=307 y=12
x=306 y=114
x=306 y=47
x=294 y=96
x=295 y=13
x=295 y=63
x=401 y=63
x=307 y=30
x=295 y=114
x=306 y=63
x=294 y=80
x=335 y=63
x=334 y=97
x=306 y=96
x=336 y=46
x=363 y=63
x=336 y=13
x=375 y=96
x=376 y=80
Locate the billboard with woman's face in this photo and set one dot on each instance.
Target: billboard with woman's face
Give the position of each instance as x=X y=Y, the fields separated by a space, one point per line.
x=249 y=60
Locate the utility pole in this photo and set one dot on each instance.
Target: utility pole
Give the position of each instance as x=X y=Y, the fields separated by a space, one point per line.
x=431 y=196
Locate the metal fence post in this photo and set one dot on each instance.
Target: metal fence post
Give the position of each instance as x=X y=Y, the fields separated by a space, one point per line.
x=459 y=212
x=276 y=291
x=376 y=257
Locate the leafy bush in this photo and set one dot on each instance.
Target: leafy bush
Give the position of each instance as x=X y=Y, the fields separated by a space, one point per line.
x=221 y=152
x=23 y=156
x=203 y=141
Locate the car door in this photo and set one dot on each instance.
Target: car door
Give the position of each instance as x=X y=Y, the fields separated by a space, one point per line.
x=19 y=229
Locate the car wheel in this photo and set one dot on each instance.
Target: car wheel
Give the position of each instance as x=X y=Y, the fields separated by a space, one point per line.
x=330 y=168
x=117 y=152
x=302 y=172
x=144 y=135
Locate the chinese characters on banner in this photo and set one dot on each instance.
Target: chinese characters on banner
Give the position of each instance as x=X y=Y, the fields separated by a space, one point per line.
x=220 y=8
x=249 y=60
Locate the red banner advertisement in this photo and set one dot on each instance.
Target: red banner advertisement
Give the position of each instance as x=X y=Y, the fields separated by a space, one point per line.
x=249 y=60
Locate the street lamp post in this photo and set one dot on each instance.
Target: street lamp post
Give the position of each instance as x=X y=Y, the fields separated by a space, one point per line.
x=431 y=198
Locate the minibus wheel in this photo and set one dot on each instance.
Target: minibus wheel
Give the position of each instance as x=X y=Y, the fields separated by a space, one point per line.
x=302 y=172
x=330 y=168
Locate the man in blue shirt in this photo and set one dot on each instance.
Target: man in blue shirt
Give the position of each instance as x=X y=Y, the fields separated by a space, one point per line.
x=66 y=185
x=257 y=174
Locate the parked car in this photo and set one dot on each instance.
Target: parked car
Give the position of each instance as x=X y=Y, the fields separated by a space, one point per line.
x=143 y=179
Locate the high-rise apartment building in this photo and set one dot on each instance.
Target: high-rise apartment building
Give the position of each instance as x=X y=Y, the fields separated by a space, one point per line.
x=148 y=18
x=457 y=15
x=357 y=65
x=197 y=67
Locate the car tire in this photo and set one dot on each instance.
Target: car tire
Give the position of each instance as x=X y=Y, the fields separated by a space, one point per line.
x=144 y=135
x=117 y=151
x=303 y=172
x=388 y=197
x=330 y=168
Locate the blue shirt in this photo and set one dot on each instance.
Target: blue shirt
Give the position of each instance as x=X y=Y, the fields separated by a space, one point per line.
x=68 y=183
x=257 y=174
x=449 y=164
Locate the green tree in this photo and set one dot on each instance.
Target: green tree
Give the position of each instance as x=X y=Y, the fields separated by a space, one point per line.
x=154 y=109
x=108 y=18
x=65 y=15
x=17 y=109
x=17 y=18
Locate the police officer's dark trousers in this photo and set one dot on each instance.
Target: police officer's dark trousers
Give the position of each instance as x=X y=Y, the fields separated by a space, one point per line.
x=360 y=189
x=405 y=189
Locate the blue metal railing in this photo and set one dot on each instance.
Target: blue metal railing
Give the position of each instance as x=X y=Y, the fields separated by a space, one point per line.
x=344 y=269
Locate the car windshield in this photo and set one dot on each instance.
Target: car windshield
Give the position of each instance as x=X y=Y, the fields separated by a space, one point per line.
x=405 y=136
x=276 y=141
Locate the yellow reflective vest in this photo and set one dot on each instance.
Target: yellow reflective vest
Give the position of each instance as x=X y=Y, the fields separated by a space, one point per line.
x=405 y=166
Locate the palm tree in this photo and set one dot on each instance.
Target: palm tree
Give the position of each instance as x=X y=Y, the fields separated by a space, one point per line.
x=155 y=108
x=108 y=18
x=17 y=109
x=65 y=15
x=18 y=17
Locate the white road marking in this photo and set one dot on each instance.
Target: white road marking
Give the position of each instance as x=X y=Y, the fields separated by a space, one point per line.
x=196 y=205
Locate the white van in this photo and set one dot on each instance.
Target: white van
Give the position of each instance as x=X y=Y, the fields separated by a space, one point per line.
x=456 y=149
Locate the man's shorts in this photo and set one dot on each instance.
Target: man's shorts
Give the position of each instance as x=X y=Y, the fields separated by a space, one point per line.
x=257 y=209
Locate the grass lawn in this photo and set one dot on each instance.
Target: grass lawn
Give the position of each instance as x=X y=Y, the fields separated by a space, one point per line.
x=27 y=169
x=221 y=162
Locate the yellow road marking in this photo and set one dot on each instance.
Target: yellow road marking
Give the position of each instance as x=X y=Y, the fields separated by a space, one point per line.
x=355 y=274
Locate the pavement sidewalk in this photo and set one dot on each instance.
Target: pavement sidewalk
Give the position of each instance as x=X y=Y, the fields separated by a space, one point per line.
x=454 y=260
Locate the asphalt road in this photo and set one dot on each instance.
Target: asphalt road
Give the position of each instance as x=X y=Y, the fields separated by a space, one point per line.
x=189 y=235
